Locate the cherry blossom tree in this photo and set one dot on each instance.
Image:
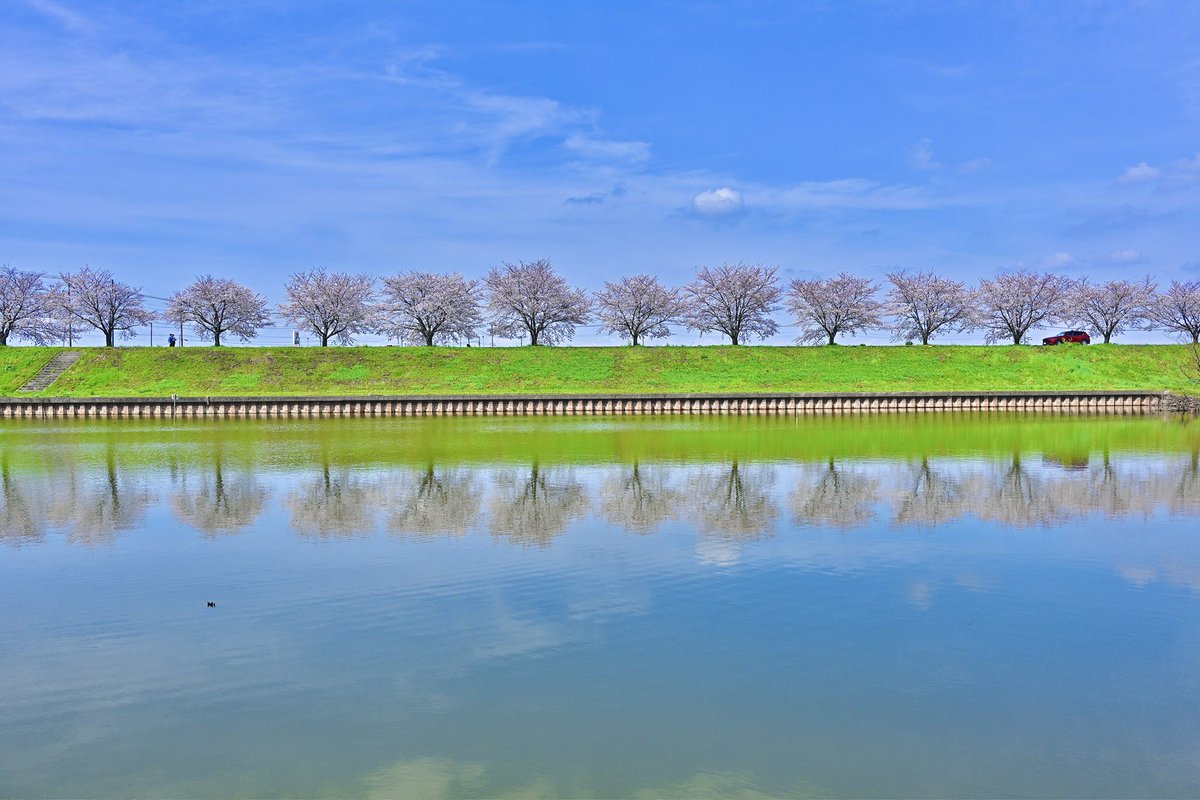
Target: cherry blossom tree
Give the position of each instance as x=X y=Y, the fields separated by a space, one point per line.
x=1111 y=308
x=216 y=306
x=1177 y=310
x=923 y=303
x=531 y=299
x=735 y=299
x=639 y=308
x=26 y=308
x=827 y=308
x=1013 y=303
x=95 y=298
x=333 y=305
x=428 y=308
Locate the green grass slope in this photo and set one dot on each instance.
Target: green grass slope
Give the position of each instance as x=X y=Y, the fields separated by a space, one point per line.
x=199 y=372
x=19 y=364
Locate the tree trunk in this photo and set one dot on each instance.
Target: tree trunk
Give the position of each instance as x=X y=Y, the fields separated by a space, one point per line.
x=635 y=337
x=1016 y=337
x=109 y=337
x=429 y=338
x=3 y=338
x=734 y=338
x=216 y=338
x=324 y=339
x=924 y=338
x=532 y=338
x=1107 y=337
x=832 y=336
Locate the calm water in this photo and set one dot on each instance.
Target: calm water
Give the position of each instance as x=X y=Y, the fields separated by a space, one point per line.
x=914 y=606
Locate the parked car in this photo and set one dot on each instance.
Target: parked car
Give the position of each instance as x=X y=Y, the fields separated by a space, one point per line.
x=1068 y=337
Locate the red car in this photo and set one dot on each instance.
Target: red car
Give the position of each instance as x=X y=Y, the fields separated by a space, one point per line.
x=1068 y=337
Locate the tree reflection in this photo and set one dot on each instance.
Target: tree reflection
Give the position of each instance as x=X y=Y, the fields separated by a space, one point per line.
x=835 y=497
x=438 y=502
x=640 y=499
x=932 y=496
x=734 y=502
x=216 y=503
x=1185 y=490
x=531 y=509
x=1016 y=496
x=94 y=508
x=21 y=516
x=333 y=504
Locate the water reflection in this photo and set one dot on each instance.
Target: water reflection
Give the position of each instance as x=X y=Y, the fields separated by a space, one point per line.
x=835 y=495
x=216 y=501
x=337 y=502
x=435 y=501
x=92 y=505
x=20 y=521
x=531 y=507
x=733 y=502
x=930 y=497
x=94 y=501
x=640 y=499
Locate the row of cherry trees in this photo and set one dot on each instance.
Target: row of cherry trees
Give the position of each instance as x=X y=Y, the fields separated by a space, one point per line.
x=531 y=300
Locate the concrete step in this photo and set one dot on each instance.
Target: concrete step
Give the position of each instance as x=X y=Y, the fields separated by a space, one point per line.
x=49 y=373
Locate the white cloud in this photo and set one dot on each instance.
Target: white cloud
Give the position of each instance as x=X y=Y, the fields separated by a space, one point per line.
x=921 y=156
x=1060 y=260
x=607 y=149
x=1125 y=256
x=718 y=202
x=1140 y=173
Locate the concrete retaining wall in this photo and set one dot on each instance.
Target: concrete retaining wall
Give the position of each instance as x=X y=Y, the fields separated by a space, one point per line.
x=785 y=404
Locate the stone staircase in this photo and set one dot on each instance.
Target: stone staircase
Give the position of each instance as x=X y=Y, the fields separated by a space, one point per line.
x=49 y=373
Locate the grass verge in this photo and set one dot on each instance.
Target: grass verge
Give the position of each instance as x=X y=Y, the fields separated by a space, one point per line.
x=243 y=371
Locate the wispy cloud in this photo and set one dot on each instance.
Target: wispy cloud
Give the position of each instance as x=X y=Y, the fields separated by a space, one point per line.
x=71 y=20
x=849 y=193
x=609 y=149
x=1126 y=256
x=1140 y=173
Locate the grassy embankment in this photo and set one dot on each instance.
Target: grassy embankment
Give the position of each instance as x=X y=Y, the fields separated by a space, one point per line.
x=199 y=372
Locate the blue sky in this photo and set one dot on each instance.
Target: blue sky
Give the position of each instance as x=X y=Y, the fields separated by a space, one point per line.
x=254 y=139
